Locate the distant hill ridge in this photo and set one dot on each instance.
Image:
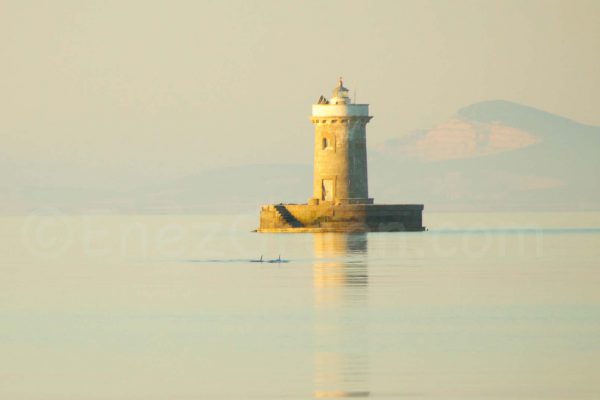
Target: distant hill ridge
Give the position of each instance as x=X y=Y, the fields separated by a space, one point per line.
x=497 y=155
x=491 y=156
x=523 y=117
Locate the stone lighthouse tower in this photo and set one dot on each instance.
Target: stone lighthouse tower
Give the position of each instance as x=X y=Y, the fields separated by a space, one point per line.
x=340 y=164
x=340 y=201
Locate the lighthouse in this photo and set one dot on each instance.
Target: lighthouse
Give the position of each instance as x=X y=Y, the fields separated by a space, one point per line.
x=340 y=155
x=340 y=200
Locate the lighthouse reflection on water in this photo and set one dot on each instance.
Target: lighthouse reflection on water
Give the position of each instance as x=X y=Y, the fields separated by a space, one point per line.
x=341 y=281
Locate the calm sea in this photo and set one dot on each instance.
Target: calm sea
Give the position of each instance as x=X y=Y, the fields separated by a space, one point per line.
x=498 y=306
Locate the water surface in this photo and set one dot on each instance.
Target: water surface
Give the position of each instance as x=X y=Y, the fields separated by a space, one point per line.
x=171 y=307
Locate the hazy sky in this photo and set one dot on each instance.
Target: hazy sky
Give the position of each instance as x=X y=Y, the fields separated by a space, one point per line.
x=133 y=91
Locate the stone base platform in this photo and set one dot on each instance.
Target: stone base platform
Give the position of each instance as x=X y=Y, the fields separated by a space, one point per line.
x=296 y=218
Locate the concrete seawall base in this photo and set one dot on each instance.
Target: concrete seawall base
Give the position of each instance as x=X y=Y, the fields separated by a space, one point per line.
x=297 y=218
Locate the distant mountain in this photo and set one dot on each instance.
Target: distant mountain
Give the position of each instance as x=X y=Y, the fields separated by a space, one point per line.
x=228 y=190
x=490 y=156
x=225 y=190
x=493 y=155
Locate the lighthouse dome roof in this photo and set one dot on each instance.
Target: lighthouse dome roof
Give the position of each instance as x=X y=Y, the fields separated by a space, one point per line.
x=340 y=94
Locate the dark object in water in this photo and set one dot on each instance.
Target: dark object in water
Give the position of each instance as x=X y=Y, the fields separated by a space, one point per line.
x=278 y=260
x=259 y=260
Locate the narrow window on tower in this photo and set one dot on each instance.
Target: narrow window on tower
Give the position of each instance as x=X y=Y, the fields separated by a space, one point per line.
x=325 y=143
